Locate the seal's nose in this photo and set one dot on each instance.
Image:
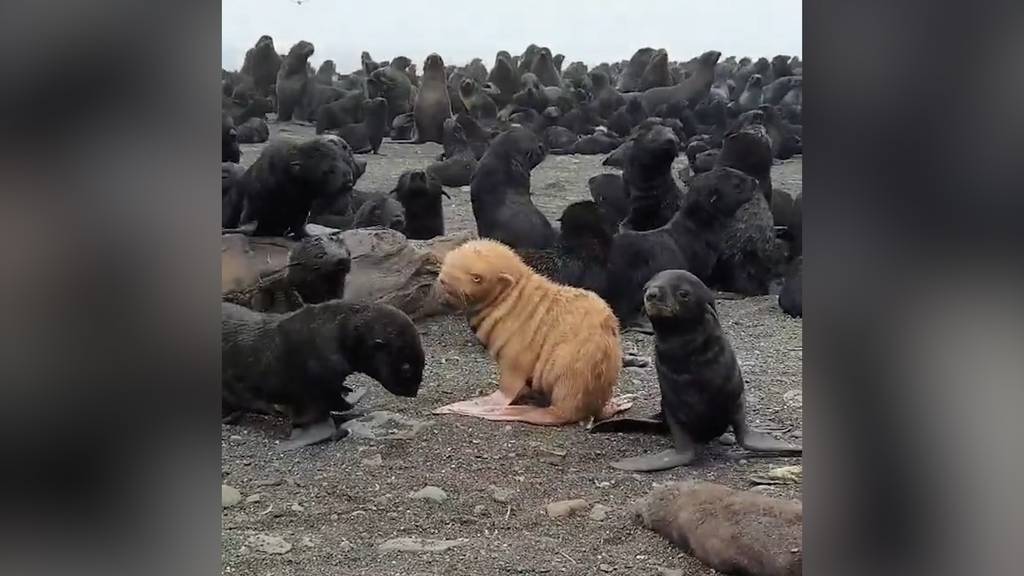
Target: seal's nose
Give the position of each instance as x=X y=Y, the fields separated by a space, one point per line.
x=652 y=294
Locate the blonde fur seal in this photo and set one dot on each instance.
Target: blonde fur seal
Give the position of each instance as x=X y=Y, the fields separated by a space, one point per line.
x=554 y=344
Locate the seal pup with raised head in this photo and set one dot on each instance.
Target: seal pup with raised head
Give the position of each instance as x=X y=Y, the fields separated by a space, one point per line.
x=692 y=89
x=292 y=80
x=700 y=379
x=555 y=345
x=500 y=192
x=433 y=103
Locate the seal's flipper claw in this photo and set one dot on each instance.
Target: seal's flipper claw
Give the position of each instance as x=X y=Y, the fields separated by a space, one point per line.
x=665 y=460
x=757 y=441
x=340 y=418
x=651 y=425
x=309 y=435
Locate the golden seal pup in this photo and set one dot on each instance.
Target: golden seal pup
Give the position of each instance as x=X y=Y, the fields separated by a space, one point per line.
x=557 y=347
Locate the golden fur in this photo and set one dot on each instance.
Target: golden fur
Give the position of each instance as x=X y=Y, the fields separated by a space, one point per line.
x=557 y=342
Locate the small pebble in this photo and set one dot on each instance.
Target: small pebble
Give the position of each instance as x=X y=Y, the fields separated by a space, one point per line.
x=373 y=461
x=501 y=495
x=229 y=496
x=430 y=493
x=605 y=568
x=566 y=508
x=269 y=544
x=599 y=512
x=297 y=508
x=254 y=498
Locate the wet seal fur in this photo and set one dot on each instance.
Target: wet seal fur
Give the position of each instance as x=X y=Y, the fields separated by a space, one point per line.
x=700 y=380
x=300 y=361
x=557 y=347
x=732 y=531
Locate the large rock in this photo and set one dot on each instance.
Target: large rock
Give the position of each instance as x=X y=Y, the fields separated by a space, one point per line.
x=387 y=268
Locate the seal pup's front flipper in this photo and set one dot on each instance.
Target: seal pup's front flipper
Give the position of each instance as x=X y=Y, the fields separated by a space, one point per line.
x=684 y=453
x=312 y=434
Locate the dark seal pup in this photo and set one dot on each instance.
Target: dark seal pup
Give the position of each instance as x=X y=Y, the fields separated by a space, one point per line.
x=500 y=192
x=300 y=360
x=653 y=194
x=433 y=103
x=292 y=80
x=367 y=135
x=281 y=186
x=420 y=193
x=700 y=380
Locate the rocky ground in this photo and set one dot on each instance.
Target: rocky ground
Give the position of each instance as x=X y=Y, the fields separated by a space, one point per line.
x=358 y=506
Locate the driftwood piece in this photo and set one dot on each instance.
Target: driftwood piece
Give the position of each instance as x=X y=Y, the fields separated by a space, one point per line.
x=380 y=265
x=270 y=274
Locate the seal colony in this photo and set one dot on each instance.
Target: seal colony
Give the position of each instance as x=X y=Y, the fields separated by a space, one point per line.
x=547 y=299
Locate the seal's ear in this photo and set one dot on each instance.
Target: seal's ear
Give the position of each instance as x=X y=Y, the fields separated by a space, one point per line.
x=378 y=343
x=294 y=166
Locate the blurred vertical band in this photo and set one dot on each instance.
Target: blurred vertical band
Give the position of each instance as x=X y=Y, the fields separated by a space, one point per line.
x=914 y=325
x=109 y=330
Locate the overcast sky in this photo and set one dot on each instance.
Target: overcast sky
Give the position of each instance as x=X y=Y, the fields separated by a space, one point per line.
x=593 y=31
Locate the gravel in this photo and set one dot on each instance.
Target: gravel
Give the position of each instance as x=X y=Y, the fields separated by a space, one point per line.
x=354 y=492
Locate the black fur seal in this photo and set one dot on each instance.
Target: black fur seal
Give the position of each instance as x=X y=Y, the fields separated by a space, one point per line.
x=700 y=379
x=292 y=80
x=657 y=73
x=300 y=361
x=500 y=192
x=630 y=79
x=433 y=103
x=692 y=89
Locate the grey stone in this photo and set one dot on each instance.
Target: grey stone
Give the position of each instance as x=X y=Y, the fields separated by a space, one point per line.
x=373 y=461
x=269 y=544
x=229 y=496
x=565 y=508
x=502 y=495
x=384 y=425
x=430 y=493
x=599 y=512
x=419 y=545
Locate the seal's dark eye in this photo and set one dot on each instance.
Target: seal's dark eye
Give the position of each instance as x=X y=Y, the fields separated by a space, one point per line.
x=683 y=295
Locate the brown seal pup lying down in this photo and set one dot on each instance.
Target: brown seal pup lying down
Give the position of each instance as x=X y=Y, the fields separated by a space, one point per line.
x=732 y=531
x=555 y=345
